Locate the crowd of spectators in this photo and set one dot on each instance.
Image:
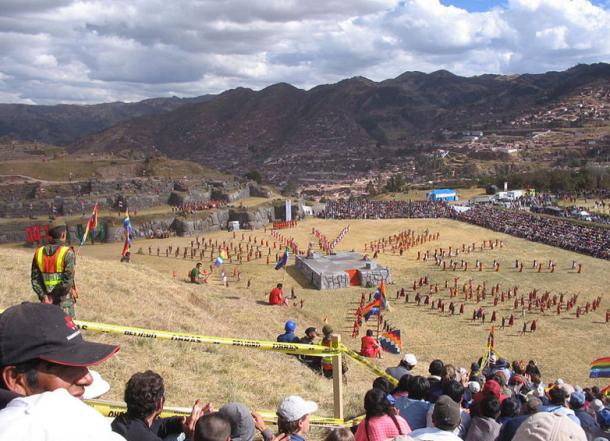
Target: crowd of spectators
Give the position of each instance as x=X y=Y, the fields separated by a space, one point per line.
x=365 y=209
x=587 y=239
x=558 y=232
x=194 y=206
x=44 y=375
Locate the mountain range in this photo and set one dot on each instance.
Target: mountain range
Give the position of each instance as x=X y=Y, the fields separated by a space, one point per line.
x=242 y=129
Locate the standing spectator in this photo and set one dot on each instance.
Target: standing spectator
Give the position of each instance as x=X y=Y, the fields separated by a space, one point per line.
x=145 y=397
x=381 y=421
x=407 y=363
x=310 y=336
x=293 y=417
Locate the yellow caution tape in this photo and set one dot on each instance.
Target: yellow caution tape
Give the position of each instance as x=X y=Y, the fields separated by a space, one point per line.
x=288 y=348
x=113 y=409
x=365 y=362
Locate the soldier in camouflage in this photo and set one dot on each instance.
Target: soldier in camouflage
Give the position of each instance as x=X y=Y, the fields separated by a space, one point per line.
x=53 y=271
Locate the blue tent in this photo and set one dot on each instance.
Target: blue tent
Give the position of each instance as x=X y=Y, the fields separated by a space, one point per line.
x=443 y=194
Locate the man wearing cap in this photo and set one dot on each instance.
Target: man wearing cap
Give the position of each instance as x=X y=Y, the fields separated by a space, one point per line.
x=293 y=416
x=41 y=349
x=405 y=366
x=53 y=270
x=445 y=417
x=43 y=371
x=309 y=339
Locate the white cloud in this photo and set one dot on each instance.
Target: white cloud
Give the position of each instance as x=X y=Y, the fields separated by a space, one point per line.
x=97 y=50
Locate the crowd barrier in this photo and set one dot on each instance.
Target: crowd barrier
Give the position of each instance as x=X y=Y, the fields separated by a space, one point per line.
x=337 y=349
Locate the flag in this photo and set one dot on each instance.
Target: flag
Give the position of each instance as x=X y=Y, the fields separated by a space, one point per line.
x=283 y=261
x=91 y=225
x=222 y=256
x=491 y=339
x=390 y=341
x=371 y=309
x=600 y=368
x=605 y=392
x=128 y=232
x=384 y=302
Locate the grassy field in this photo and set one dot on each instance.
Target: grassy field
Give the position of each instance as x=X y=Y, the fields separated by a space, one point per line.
x=144 y=294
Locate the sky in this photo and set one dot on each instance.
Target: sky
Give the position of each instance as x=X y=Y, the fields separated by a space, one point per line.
x=92 y=51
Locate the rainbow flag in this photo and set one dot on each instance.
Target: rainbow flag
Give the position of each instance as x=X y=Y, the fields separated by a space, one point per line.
x=371 y=309
x=221 y=258
x=390 y=341
x=605 y=392
x=91 y=225
x=600 y=368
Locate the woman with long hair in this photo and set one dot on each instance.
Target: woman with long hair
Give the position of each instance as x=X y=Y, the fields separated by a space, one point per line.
x=382 y=420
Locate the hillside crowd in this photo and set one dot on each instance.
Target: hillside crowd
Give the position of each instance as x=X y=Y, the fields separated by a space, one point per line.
x=365 y=209
x=44 y=373
x=552 y=231
x=591 y=240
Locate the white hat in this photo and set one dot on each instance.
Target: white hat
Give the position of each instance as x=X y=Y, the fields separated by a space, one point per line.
x=96 y=389
x=597 y=405
x=293 y=408
x=547 y=426
x=474 y=387
x=410 y=359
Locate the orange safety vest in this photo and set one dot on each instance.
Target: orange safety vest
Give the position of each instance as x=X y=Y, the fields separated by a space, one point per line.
x=51 y=267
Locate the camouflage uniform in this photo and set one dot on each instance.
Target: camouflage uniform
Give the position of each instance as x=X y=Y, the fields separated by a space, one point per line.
x=62 y=294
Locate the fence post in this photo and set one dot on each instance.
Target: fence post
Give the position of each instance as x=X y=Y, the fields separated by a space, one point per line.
x=337 y=379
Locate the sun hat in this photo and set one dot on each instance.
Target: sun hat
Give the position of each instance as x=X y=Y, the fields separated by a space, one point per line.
x=294 y=407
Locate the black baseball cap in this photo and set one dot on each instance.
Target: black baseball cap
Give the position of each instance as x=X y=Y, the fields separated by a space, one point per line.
x=31 y=331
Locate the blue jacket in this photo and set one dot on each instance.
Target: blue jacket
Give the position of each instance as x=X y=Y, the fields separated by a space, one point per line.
x=288 y=337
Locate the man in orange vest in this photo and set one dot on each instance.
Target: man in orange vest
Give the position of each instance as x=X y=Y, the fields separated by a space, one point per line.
x=53 y=271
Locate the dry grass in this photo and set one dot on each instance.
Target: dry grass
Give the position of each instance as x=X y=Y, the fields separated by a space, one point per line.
x=144 y=294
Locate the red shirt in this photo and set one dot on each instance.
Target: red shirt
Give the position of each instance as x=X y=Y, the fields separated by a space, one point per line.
x=276 y=296
x=369 y=347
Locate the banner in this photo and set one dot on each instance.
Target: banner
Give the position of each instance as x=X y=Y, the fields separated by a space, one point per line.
x=288 y=210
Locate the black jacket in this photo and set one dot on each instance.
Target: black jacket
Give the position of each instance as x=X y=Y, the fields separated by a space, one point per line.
x=138 y=430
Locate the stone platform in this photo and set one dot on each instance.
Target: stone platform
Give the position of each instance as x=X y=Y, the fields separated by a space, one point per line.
x=341 y=270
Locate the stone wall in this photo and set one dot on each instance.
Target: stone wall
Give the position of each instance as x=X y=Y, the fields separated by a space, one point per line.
x=375 y=276
x=334 y=280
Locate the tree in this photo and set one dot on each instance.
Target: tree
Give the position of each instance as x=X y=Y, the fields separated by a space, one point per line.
x=255 y=176
x=395 y=184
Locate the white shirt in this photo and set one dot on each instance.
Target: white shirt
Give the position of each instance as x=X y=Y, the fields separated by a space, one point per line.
x=434 y=434
x=53 y=416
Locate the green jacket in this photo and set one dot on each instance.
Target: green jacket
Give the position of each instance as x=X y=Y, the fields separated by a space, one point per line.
x=64 y=289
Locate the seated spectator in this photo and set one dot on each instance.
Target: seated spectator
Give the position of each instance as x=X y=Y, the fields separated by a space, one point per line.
x=414 y=407
x=309 y=339
x=435 y=369
x=293 y=416
x=369 y=346
x=587 y=422
x=53 y=416
x=276 y=296
x=490 y=388
x=212 y=427
x=289 y=336
x=381 y=421
x=509 y=409
x=384 y=384
x=455 y=391
x=603 y=419
x=196 y=275
x=407 y=363
x=545 y=426
x=43 y=350
x=340 y=434
x=485 y=427
x=145 y=397
x=510 y=427
x=557 y=404
x=401 y=390
x=445 y=420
